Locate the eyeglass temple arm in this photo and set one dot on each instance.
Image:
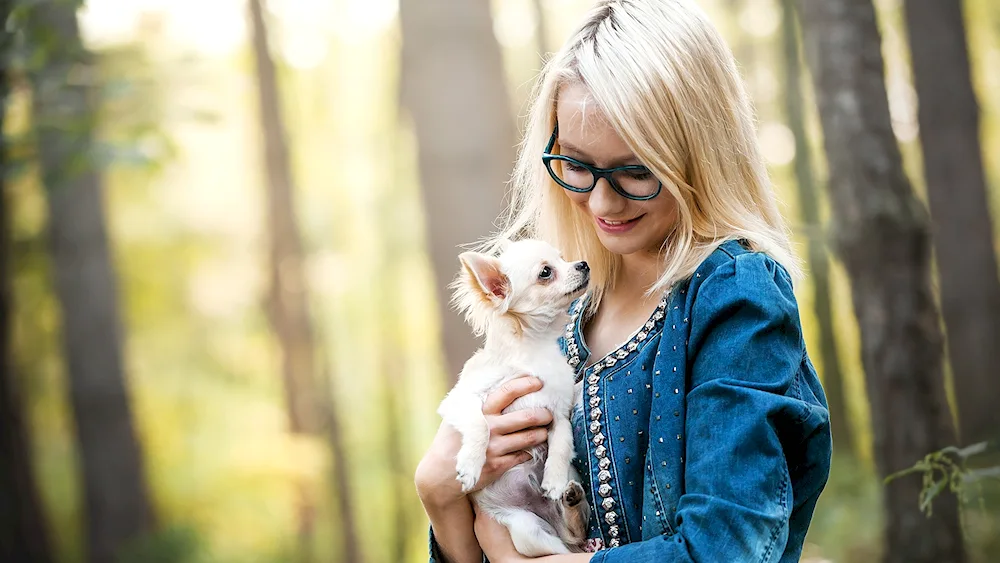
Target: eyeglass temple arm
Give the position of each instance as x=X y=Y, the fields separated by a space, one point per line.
x=552 y=139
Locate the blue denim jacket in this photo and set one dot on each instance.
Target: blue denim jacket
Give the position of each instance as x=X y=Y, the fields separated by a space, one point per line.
x=706 y=436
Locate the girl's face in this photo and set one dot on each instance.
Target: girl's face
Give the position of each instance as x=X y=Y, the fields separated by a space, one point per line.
x=624 y=226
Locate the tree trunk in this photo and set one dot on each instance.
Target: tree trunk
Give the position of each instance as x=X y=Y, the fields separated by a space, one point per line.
x=401 y=484
x=818 y=259
x=963 y=232
x=392 y=365
x=343 y=499
x=309 y=411
x=542 y=41
x=287 y=303
x=114 y=486
x=882 y=236
x=453 y=86
x=23 y=536
x=743 y=46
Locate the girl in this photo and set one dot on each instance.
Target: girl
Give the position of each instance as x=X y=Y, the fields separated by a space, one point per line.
x=701 y=429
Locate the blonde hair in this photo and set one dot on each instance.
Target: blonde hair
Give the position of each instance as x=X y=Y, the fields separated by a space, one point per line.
x=666 y=81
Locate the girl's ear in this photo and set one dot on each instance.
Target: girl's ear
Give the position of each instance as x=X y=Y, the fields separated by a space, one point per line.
x=484 y=272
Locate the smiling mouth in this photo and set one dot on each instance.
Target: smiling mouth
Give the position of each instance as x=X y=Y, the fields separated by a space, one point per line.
x=617 y=223
x=617 y=227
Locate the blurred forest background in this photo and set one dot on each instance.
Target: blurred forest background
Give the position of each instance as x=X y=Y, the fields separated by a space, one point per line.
x=227 y=225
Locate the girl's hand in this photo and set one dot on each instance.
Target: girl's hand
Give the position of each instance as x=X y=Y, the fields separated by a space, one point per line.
x=510 y=435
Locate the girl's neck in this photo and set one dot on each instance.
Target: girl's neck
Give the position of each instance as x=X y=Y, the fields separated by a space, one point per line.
x=639 y=272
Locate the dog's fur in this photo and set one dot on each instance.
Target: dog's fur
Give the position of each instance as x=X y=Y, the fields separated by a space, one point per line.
x=519 y=302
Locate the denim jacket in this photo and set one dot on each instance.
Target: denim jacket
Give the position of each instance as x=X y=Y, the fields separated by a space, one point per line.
x=705 y=437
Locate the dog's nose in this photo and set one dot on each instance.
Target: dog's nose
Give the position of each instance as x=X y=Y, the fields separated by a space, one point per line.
x=582 y=266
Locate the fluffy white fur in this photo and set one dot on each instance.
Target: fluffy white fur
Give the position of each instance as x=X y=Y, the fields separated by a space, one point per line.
x=519 y=302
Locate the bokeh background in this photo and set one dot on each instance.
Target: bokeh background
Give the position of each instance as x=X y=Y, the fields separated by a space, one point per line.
x=280 y=218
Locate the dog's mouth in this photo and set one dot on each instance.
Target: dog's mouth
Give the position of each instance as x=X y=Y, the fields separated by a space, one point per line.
x=578 y=289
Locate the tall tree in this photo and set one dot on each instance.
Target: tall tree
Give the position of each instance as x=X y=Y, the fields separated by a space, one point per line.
x=882 y=235
x=960 y=214
x=392 y=373
x=309 y=409
x=64 y=110
x=818 y=259
x=390 y=295
x=23 y=537
x=542 y=41
x=453 y=86
x=743 y=46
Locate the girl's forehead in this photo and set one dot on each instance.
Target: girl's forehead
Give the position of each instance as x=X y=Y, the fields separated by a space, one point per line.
x=583 y=126
x=576 y=108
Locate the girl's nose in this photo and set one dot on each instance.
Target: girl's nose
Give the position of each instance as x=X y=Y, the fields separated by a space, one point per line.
x=605 y=201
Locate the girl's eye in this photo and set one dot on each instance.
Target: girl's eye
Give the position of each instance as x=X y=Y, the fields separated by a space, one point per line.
x=573 y=167
x=640 y=174
x=545 y=274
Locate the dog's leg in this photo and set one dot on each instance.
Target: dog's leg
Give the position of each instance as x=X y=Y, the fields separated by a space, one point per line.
x=465 y=414
x=557 y=466
x=576 y=514
x=532 y=536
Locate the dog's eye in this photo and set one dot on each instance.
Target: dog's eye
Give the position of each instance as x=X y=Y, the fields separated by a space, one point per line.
x=545 y=274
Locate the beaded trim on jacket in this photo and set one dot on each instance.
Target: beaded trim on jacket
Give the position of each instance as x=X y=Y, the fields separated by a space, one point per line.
x=605 y=488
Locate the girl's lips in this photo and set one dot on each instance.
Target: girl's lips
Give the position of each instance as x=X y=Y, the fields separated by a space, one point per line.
x=618 y=227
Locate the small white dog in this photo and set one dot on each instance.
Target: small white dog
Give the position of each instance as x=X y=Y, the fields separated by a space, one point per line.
x=520 y=302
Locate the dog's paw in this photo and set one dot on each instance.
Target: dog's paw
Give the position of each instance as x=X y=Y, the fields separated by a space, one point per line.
x=468 y=480
x=553 y=488
x=573 y=494
x=469 y=471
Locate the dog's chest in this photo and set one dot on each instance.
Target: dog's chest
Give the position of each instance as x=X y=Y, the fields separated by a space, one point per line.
x=557 y=384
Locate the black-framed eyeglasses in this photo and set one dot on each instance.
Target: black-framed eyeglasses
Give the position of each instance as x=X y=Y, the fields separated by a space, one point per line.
x=632 y=182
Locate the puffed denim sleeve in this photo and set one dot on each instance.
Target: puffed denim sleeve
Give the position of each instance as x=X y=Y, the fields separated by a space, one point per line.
x=745 y=355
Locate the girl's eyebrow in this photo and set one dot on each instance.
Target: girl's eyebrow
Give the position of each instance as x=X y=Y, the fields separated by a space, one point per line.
x=612 y=162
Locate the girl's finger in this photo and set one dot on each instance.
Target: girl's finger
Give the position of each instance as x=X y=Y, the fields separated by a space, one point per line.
x=516 y=441
x=519 y=420
x=500 y=399
x=499 y=465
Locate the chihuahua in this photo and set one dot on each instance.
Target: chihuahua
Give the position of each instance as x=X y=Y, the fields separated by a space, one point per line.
x=519 y=301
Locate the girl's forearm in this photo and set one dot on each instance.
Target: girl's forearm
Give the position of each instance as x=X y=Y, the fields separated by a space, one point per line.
x=453 y=527
x=569 y=558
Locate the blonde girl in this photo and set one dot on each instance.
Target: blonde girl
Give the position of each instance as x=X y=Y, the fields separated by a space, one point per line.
x=701 y=429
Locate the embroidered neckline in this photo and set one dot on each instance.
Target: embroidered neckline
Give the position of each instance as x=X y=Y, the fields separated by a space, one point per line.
x=622 y=352
x=600 y=451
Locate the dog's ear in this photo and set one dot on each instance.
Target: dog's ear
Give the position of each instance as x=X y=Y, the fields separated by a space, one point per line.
x=484 y=271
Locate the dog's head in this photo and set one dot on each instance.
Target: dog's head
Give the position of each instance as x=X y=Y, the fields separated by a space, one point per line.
x=529 y=285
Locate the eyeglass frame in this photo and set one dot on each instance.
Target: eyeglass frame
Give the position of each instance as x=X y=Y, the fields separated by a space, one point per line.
x=597 y=173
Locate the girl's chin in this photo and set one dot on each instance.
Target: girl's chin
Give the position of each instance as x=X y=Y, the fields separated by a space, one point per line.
x=621 y=244
x=632 y=244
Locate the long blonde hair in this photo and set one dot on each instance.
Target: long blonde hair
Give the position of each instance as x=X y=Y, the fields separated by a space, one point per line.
x=666 y=81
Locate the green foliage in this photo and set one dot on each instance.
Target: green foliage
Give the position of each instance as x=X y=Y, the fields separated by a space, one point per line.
x=962 y=472
x=176 y=544
x=847 y=523
x=947 y=469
